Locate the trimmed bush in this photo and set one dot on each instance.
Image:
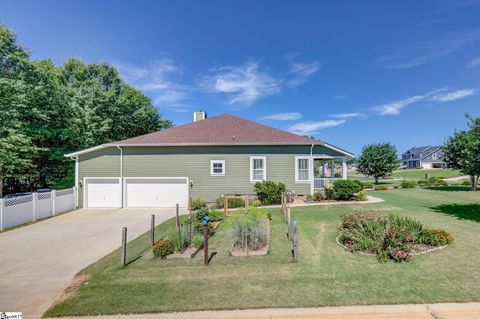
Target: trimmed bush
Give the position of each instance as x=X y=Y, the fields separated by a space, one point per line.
x=163 y=247
x=380 y=187
x=346 y=189
x=408 y=184
x=198 y=203
x=269 y=192
x=466 y=183
x=361 y=196
x=337 y=175
x=318 y=196
x=367 y=184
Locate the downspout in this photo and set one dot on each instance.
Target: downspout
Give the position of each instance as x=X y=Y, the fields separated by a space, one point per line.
x=76 y=180
x=121 y=175
x=312 y=174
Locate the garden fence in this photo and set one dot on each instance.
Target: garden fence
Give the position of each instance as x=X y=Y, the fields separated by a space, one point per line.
x=19 y=210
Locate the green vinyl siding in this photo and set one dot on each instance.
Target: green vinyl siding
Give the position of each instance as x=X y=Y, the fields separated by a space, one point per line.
x=194 y=163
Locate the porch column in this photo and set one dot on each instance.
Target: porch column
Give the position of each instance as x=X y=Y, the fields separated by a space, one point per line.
x=332 y=169
x=323 y=168
x=344 y=169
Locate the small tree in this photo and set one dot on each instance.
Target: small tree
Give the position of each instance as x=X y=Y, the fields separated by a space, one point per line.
x=378 y=160
x=462 y=149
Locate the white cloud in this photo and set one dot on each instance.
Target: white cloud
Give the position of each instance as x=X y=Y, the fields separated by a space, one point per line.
x=243 y=84
x=310 y=127
x=290 y=116
x=439 y=96
x=394 y=108
x=475 y=62
x=300 y=72
x=429 y=50
x=347 y=115
x=158 y=79
x=452 y=95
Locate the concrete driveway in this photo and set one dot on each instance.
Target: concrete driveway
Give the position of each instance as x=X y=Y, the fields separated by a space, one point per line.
x=37 y=262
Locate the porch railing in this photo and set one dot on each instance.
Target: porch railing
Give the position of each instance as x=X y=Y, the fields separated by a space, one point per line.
x=319 y=182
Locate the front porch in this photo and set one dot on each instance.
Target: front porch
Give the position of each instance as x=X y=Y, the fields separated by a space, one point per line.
x=324 y=171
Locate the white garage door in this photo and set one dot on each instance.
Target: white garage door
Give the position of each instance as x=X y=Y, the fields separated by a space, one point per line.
x=156 y=192
x=102 y=192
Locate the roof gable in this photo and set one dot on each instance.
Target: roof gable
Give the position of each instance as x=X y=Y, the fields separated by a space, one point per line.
x=222 y=129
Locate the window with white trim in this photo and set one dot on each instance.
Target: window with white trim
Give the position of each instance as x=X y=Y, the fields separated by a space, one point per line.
x=258 y=168
x=217 y=168
x=302 y=169
x=434 y=156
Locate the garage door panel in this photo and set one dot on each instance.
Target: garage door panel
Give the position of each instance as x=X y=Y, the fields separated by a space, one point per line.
x=156 y=192
x=103 y=192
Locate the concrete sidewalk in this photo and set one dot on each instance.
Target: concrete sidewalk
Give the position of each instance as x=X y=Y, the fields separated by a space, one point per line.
x=429 y=311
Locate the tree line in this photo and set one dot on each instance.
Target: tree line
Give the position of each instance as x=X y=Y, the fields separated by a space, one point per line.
x=461 y=151
x=48 y=110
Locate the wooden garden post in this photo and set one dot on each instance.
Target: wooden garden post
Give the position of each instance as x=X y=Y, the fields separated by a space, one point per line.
x=225 y=205
x=178 y=224
x=205 y=244
x=152 y=229
x=124 y=246
x=289 y=233
x=295 y=241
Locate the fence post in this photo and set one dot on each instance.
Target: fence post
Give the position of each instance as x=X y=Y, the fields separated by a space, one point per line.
x=295 y=241
x=289 y=224
x=190 y=231
x=34 y=206
x=205 y=244
x=152 y=229
x=124 y=246
x=225 y=205
x=1 y=213
x=53 y=202
x=178 y=224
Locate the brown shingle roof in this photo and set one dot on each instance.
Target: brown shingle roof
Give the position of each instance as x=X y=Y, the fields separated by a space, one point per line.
x=222 y=129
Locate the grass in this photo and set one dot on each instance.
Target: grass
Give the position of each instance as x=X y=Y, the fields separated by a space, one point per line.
x=325 y=275
x=420 y=173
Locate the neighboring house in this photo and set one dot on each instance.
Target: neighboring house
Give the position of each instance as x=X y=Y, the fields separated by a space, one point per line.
x=207 y=158
x=425 y=157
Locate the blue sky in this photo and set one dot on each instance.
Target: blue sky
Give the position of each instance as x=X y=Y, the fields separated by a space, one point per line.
x=347 y=72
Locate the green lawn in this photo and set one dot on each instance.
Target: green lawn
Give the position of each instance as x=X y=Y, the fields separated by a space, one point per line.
x=420 y=173
x=325 y=275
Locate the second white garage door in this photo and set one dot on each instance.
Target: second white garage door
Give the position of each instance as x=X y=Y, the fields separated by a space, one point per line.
x=156 y=192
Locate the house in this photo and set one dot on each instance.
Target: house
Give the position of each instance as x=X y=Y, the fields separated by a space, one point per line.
x=208 y=158
x=424 y=157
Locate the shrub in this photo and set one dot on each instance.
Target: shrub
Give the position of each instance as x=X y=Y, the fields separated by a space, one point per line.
x=269 y=192
x=389 y=237
x=337 y=175
x=163 y=247
x=269 y=216
x=250 y=234
x=215 y=216
x=422 y=182
x=198 y=203
x=236 y=203
x=367 y=184
x=466 y=183
x=380 y=187
x=435 y=181
x=199 y=228
x=254 y=202
x=318 y=196
x=408 y=184
x=309 y=198
x=346 y=189
x=201 y=213
x=198 y=240
x=361 y=196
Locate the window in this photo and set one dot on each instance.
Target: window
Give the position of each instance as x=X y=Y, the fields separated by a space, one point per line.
x=258 y=168
x=217 y=168
x=434 y=156
x=302 y=169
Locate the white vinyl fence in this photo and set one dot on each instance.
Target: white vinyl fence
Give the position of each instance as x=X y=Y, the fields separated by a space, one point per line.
x=24 y=209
